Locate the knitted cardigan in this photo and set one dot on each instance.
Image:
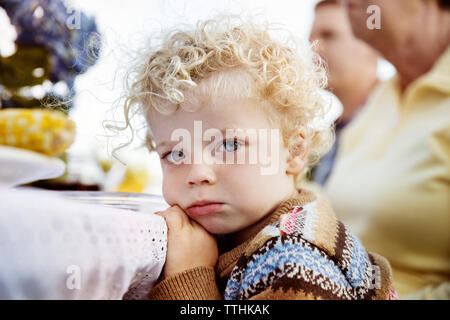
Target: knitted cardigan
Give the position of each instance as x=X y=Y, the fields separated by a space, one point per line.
x=301 y=252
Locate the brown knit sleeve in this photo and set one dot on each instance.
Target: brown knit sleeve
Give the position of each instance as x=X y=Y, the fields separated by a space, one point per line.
x=194 y=284
x=280 y=294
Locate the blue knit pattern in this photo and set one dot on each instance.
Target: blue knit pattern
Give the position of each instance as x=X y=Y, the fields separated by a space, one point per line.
x=274 y=261
x=358 y=263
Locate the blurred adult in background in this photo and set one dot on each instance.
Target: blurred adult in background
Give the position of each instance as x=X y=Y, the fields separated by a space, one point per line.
x=394 y=158
x=351 y=65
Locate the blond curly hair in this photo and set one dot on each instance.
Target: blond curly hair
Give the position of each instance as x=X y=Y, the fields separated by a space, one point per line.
x=285 y=76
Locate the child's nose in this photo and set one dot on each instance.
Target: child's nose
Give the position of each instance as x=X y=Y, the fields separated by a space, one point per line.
x=201 y=174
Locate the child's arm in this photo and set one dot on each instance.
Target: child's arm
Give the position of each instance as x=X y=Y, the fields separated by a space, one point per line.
x=191 y=257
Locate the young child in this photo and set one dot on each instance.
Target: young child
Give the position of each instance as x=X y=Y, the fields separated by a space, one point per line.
x=214 y=95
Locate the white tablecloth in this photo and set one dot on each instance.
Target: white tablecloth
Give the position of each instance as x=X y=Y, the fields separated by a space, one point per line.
x=55 y=248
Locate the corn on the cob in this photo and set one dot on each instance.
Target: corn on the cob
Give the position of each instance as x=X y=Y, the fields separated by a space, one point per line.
x=44 y=131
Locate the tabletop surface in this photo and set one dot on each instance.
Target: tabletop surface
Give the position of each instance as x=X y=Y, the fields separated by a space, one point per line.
x=56 y=247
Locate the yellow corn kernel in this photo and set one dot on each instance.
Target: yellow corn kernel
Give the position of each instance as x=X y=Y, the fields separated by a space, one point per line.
x=44 y=131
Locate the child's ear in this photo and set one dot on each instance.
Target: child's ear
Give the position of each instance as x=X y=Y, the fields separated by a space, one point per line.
x=297 y=157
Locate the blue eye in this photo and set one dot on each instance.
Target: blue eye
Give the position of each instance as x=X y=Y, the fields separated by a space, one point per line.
x=174 y=156
x=230 y=145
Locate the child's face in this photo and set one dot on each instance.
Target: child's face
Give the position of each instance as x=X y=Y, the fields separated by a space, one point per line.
x=245 y=192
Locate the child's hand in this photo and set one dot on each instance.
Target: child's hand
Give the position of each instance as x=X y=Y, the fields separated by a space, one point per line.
x=189 y=245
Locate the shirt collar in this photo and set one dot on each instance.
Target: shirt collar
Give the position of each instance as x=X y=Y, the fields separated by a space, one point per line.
x=438 y=77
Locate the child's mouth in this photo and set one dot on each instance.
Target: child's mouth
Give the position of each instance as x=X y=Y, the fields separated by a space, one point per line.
x=204 y=209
